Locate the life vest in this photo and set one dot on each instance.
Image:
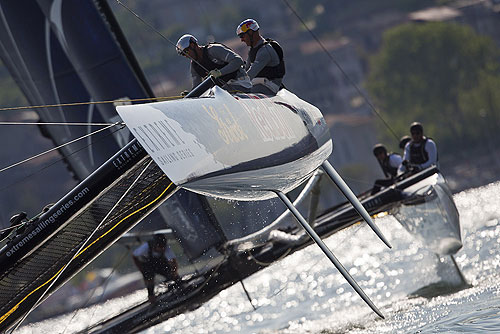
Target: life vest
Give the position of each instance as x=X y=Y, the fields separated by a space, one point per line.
x=205 y=65
x=418 y=154
x=387 y=168
x=270 y=72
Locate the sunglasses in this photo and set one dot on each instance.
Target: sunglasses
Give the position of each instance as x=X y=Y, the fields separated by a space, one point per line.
x=240 y=35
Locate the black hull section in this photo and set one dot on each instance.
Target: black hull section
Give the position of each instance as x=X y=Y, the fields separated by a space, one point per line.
x=31 y=262
x=240 y=265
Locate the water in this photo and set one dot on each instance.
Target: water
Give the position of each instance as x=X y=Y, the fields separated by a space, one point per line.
x=305 y=294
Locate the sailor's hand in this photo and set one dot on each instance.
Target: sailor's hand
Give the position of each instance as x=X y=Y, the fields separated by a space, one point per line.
x=184 y=92
x=215 y=73
x=416 y=167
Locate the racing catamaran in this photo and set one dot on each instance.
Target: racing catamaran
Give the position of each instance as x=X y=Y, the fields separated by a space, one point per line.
x=256 y=251
x=237 y=146
x=130 y=185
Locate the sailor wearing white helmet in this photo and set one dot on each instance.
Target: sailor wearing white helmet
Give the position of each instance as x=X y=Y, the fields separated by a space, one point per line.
x=265 y=64
x=214 y=59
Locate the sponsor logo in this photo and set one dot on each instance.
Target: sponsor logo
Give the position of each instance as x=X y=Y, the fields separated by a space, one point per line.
x=269 y=120
x=229 y=129
x=125 y=157
x=47 y=221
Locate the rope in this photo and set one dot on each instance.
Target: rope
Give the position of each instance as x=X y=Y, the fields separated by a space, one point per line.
x=367 y=100
x=105 y=285
x=57 y=147
x=310 y=267
x=82 y=247
x=72 y=104
x=163 y=36
x=58 y=160
x=58 y=123
x=12 y=227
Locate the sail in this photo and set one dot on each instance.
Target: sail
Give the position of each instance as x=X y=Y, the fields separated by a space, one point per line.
x=74 y=51
x=63 y=52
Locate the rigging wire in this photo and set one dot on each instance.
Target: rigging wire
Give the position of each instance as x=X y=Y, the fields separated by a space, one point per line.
x=72 y=104
x=367 y=100
x=61 y=159
x=104 y=286
x=59 y=123
x=150 y=26
x=11 y=227
x=310 y=267
x=57 y=147
x=82 y=247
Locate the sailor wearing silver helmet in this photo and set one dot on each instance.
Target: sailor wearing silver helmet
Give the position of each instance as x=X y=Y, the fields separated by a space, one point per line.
x=214 y=59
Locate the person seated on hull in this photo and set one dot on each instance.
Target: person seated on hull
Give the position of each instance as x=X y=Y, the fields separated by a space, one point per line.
x=403 y=141
x=216 y=60
x=420 y=152
x=389 y=162
x=156 y=257
x=265 y=64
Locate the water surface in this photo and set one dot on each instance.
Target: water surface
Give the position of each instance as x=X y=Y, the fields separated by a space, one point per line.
x=304 y=293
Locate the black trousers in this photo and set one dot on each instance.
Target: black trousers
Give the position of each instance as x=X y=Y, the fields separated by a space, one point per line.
x=159 y=266
x=381 y=183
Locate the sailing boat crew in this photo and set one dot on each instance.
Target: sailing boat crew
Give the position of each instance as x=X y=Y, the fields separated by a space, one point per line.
x=389 y=162
x=216 y=60
x=403 y=141
x=156 y=257
x=265 y=64
x=420 y=152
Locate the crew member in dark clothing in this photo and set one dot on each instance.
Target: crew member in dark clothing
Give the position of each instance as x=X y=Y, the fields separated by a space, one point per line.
x=265 y=64
x=420 y=152
x=389 y=162
x=156 y=257
x=216 y=60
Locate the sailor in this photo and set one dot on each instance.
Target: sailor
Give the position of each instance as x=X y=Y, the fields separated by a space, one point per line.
x=389 y=162
x=156 y=257
x=420 y=152
x=216 y=60
x=403 y=141
x=265 y=64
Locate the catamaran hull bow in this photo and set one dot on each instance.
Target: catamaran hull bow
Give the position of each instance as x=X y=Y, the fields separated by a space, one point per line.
x=240 y=147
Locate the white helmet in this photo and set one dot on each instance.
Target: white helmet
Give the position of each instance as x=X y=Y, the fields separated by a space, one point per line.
x=183 y=43
x=248 y=24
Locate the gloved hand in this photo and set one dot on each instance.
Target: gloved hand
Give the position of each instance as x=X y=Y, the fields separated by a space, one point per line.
x=215 y=73
x=184 y=92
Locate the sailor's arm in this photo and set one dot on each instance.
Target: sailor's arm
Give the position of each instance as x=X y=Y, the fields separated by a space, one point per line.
x=139 y=256
x=195 y=77
x=233 y=60
x=395 y=160
x=262 y=59
x=406 y=157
